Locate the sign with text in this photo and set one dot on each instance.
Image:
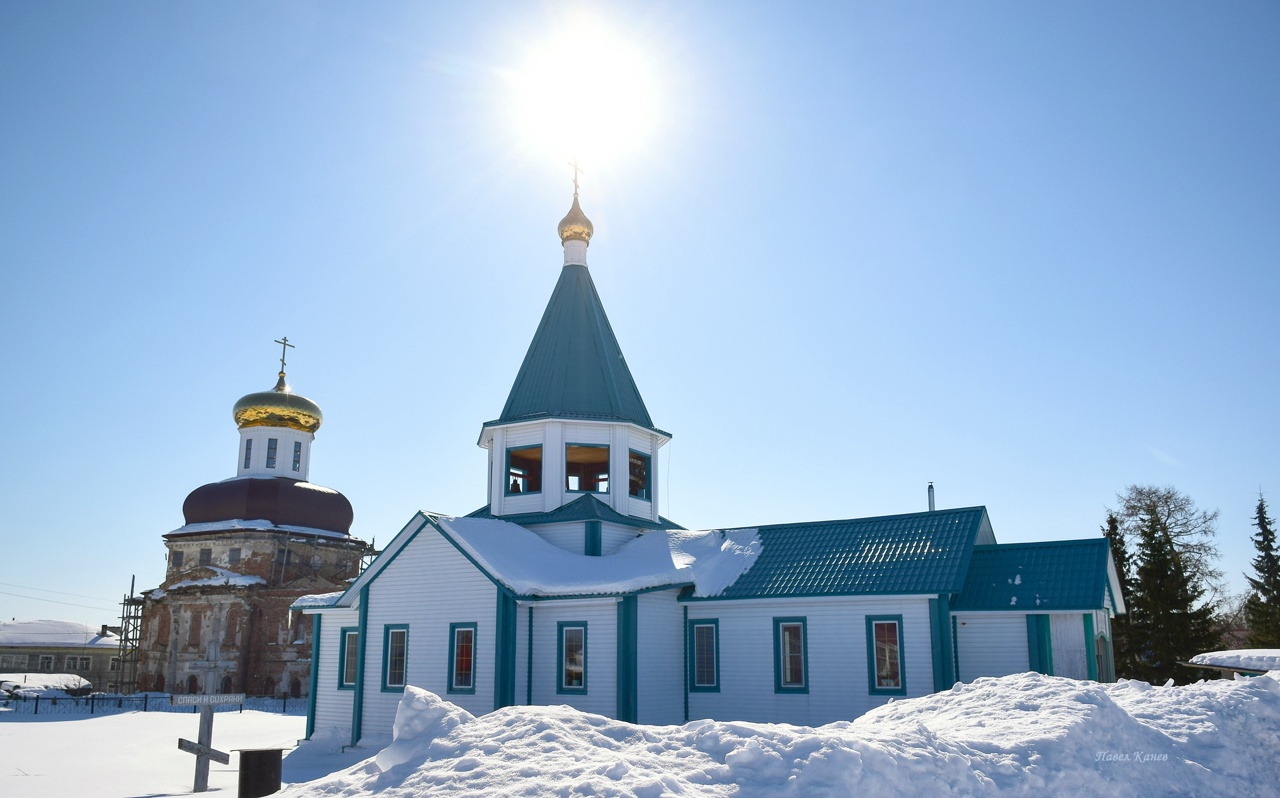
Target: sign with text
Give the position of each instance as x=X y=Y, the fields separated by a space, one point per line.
x=206 y=700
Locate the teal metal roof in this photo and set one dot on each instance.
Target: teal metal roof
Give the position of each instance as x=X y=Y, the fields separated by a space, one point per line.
x=897 y=554
x=574 y=368
x=583 y=508
x=1031 y=577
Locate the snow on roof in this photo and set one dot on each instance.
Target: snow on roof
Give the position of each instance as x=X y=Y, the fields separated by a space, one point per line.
x=222 y=577
x=530 y=566
x=54 y=634
x=255 y=523
x=317 y=600
x=1244 y=659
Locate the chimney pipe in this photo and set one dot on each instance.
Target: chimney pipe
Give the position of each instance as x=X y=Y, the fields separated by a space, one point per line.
x=930 y=497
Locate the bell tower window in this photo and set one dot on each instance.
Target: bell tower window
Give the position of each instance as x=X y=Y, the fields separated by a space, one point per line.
x=297 y=455
x=638 y=475
x=586 y=468
x=524 y=470
x=248 y=452
x=271 y=452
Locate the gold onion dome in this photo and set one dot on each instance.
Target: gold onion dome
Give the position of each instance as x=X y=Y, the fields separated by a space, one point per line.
x=575 y=226
x=278 y=407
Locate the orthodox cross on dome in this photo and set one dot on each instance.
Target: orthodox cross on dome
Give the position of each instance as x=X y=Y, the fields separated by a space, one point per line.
x=576 y=170
x=285 y=346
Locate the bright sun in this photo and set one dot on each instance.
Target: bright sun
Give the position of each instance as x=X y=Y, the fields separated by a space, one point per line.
x=585 y=94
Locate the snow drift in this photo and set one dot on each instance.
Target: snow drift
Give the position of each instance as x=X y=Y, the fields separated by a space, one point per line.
x=1025 y=734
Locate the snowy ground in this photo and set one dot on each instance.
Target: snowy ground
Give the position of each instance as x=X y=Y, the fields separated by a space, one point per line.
x=1018 y=735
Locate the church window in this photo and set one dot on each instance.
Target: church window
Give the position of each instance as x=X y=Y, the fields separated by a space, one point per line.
x=789 y=667
x=297 y=455
x=524 y=470
x=704 y=648
x=586 y=468
x=462 y=657
x=233 y=556
x=884 y=654
x=175 y=559
x=395 y=656
x=271 y=452
x=206 y=556
x=248 y=452
x=348 y=657
x=572 y=655
x=638 y=475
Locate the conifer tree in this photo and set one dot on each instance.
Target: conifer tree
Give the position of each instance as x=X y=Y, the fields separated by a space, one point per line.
x=1168 y=623
x=1121 y=634
x=1262 y=608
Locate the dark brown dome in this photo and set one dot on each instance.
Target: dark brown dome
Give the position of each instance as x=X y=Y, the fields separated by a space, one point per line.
x=283 y=502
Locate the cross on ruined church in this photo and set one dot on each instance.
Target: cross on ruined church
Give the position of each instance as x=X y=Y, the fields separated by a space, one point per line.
x=285 y=346
x=576 y=170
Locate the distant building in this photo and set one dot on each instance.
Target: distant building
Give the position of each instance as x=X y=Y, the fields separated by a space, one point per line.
x=220 y=622
x=60 y=647
x=568 y=587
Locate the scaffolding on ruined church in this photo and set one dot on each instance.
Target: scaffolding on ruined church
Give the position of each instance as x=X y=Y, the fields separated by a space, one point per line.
x=130 y=642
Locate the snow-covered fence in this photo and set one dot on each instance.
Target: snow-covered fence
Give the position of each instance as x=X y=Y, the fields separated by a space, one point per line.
x=99 y=704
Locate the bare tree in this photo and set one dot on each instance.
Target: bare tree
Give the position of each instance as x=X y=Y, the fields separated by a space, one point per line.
x=1190 y=529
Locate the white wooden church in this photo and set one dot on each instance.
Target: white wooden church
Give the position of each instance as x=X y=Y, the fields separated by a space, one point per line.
x=568 y=587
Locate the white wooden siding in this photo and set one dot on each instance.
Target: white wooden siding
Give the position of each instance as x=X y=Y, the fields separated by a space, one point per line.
x=660 y=659
x=1066 y=635
x=614 y=537
x=601 y=616
x=333 y=706
x=836 y=632
x=570 y=536
x=991 y=644
x=428 y=586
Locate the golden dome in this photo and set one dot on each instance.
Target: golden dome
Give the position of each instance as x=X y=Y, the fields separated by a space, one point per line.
x=278 y=407
x=575 y=226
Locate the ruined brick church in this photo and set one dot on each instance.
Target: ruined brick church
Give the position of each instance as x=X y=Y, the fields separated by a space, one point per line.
x=251 y=545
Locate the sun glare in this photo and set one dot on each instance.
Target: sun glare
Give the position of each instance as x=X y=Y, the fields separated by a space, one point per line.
x=584 y=94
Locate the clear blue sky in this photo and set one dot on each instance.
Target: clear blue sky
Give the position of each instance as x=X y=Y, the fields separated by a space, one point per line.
x=1027 y=251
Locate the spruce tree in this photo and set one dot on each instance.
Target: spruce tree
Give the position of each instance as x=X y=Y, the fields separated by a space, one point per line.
x=1262 y=608
x=1167 y=626
x=1121 y=634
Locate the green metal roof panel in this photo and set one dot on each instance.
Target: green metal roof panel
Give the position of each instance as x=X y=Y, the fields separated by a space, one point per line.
x=1031 y=577
x=574 y=368
x=903 y=554
x=583 y=508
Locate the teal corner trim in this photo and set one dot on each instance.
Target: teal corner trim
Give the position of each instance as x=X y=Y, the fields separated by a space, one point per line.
x=315 y=675
x=778 y=686
x=1090 y=647
x=560 y=663
x=872 y=687
x=691 y=658
x=450 y=678
x=593 y=544
x=955 y=649
x=1039 y=644
x=940 y=640
x=686 y=659
x=628 y=656
x=357 y=701
x=528 y=662
x=504 y=651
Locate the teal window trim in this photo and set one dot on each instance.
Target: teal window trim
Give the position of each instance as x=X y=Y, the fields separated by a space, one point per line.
x=646 y=492
x=507 y=480
x=782 y=628
x=695 y=686
x=452 y=677
x=873 y=686
x=348 y=646
x=389 y=633
x=593 y=543
x=561 y=671
x=607 y=471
